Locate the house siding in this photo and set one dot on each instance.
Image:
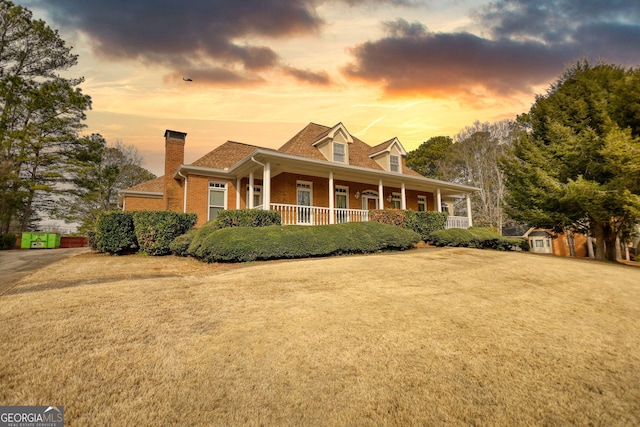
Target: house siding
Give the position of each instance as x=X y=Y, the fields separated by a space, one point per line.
x=561 y=247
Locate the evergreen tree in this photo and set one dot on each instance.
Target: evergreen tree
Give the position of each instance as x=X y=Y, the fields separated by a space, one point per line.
x=576 y=161
x=41 y=114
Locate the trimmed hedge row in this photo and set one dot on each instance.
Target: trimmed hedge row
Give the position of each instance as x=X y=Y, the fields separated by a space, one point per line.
x=225 y=219
x=115 y=233
x=241 y=244
x=475 y=237
x=120 y=232
x=247 y=218
x=7 y=241
x=423 y=223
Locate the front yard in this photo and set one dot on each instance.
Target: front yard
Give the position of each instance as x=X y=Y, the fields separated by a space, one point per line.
x=422 y=337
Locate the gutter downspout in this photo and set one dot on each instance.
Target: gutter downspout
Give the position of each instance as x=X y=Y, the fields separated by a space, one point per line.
x=184 y=195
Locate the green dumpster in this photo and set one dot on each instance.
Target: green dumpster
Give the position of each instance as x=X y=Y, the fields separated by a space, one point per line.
x=40 y=241
x=25 y=241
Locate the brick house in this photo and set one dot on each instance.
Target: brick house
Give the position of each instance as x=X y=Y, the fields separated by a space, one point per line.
x=322 y=175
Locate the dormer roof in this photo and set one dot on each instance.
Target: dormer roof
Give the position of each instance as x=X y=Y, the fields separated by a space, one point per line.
x=332 y=133
x=386 y=147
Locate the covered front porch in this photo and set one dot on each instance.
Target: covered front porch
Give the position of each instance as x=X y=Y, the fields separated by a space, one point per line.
x=319 y=193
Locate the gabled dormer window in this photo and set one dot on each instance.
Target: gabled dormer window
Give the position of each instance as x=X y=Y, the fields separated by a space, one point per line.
x=394 y=163
x=338 y=152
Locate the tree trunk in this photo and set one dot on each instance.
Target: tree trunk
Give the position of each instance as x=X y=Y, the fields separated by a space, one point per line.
x=571 y=243
x=598 y=231
x=590 y=247
x=611 y=243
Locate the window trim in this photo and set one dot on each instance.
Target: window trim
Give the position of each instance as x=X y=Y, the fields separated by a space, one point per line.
x=217 y=186
x=392 y=164
x=396 y=198
x=344 y=151
x=341 y=189
x=422 y=200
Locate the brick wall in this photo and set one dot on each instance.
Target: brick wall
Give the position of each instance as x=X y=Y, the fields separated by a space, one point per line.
x=173 y=158
x=283 y=190
x=133 y=203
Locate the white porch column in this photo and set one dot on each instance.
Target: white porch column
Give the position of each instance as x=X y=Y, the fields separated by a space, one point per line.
x=380 y=195
x=266 y=187
x=438 y=201
x=238 y=192
x=403 y=198
x=250 y=201
x=469 y=209
x=332 y=199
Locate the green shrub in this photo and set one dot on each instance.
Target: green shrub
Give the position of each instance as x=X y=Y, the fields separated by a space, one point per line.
x=115 y=233
x=180 y=245
x=240 y=244
x=7 y=241
x=228 y=219
x=425 y=223
x=247 y=218
x=155 y=230
x=474 y=237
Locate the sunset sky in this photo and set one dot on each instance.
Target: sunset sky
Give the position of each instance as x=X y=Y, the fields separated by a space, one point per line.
x=263 y=69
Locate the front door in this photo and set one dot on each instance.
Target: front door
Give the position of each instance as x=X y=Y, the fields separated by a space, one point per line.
x=369 y=200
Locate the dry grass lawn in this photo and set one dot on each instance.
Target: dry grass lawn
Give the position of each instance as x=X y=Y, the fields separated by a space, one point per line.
x=423 y=337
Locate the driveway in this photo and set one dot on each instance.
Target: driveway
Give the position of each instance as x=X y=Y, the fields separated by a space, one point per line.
x=18 y=263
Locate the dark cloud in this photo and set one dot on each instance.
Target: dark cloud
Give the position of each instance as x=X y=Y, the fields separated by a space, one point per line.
x=553 y=21
x=192 y=35
x=415 y=61
x=529 y=43
x=307 y=76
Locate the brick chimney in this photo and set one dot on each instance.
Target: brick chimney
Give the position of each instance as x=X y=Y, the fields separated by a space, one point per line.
x=173 y=158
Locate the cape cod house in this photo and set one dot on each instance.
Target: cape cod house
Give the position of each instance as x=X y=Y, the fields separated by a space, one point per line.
x=322 y=175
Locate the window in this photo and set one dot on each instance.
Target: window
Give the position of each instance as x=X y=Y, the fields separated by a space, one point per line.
x=217 y=198
x=338 y=152
x=445 y=208
x=342 y=197
x=394 y=163
x=396 y=201
x=305 y=212
x=422 y=203
x=342 y=202
x=257 y=196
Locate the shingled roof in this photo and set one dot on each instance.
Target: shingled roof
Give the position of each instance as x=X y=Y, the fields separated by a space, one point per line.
x=230 y=153
x=226 y=155
x=153 y=186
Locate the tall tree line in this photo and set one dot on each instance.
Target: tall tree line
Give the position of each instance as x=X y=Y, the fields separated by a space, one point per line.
x=471 y=158
x=575 y=164
x=46 y=168
x=41 y=115
x=572 y=163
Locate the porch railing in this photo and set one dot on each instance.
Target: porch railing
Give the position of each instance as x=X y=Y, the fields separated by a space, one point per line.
x=457 y=222
x=316 y=215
